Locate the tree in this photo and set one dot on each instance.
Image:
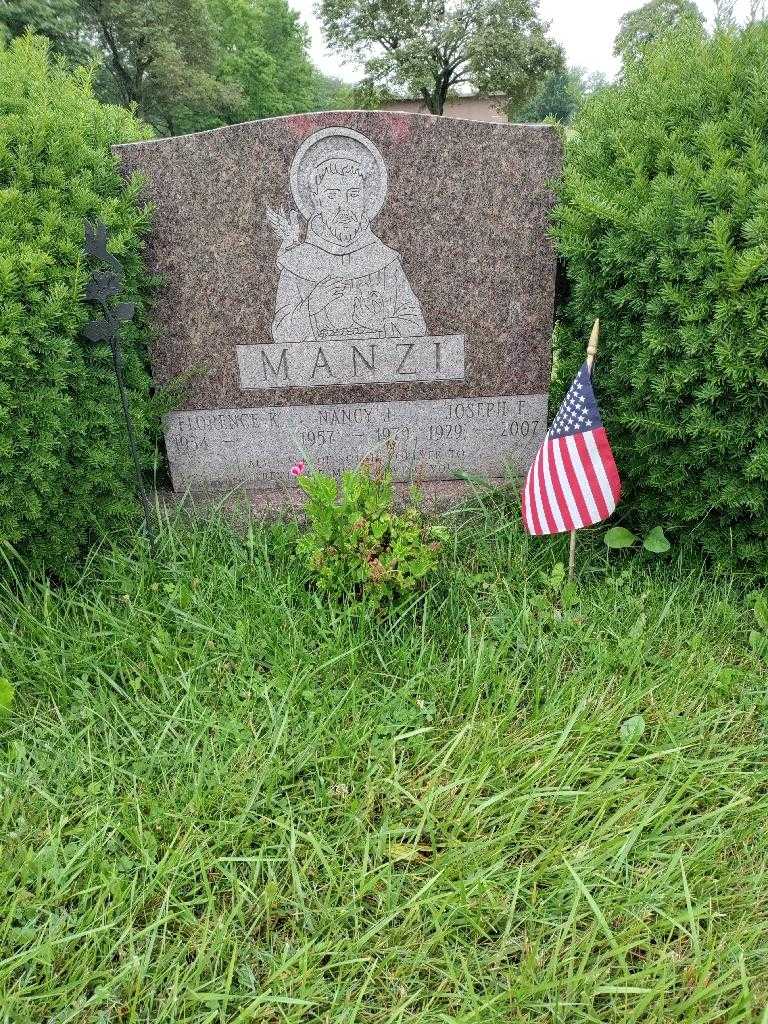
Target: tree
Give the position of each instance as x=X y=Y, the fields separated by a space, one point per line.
x=262 y=52
x=159 y=56
x=429 y=47
x=262 y=49
x=368 y=95
x=640 y=28
x=58 y=20
x=184 y=65
x=725 y=14
x=330 y=93
x=561 y=95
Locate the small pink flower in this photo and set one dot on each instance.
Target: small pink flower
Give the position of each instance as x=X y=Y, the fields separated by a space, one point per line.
x=298 y=469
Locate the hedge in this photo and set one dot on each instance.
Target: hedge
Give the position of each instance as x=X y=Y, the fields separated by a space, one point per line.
x=663 y=227
x=64 y=464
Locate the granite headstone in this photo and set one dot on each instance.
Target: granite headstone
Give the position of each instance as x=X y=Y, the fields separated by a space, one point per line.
x=347 y=284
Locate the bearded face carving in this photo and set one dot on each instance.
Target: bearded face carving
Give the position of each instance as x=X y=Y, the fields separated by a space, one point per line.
x=339 y=197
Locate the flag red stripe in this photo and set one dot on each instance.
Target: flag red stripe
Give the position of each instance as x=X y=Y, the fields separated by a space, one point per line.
x=562 y=475
x=589 y=470
x=609 y=463
x=528 y=517
x=557 y=487
x=541 y=523
x=551 y=524
x=573 y=480
x=533 y=510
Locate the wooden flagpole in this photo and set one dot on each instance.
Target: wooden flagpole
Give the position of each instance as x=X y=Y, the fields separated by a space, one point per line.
x=591 y=353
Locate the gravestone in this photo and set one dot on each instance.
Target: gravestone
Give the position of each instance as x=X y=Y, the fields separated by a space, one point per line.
x=347 y=284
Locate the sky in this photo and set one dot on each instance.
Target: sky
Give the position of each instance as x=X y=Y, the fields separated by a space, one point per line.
x=585 y=28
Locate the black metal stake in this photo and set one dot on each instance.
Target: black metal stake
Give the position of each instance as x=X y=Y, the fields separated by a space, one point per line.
x=117 y=360
x=102 y=286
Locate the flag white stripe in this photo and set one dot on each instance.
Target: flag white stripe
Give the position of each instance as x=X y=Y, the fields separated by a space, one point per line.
x=581 y=476
x=537 y=494
x=599 y=468
x=562 y=476
x=553 y=504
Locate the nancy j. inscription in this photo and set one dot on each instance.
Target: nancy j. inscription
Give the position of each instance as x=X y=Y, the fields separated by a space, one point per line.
x=350 y=283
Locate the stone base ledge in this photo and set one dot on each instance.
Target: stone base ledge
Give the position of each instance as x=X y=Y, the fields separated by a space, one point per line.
x=437 y=496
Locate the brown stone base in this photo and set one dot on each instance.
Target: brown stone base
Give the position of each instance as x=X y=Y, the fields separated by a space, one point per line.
x=437 y=496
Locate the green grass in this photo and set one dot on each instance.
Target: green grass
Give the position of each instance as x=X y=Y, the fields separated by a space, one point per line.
x=223 y=801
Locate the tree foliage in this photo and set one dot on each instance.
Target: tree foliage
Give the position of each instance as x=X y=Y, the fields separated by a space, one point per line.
x=64 y=462
x=184 y=65
x=57 y=20
x=663 y=224
x=156 y=57
x=561 y=95
x=640 y=28
x=369 y=95
x=159 y=56
x=262 y=53
x=429 y=47
x=329 y=93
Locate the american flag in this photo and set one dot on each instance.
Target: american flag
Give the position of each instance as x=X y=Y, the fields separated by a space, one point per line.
x=573 y=481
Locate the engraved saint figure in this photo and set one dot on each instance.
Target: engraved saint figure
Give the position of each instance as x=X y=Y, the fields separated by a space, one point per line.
x=341 y=281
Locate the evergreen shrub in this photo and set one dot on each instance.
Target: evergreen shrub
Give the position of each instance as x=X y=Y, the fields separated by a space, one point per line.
x=65 y=469
x=663 y=226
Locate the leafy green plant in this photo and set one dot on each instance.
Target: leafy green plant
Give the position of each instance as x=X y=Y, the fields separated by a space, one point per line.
x=655 y=540
x=663 y=226
x=64 y=461
x=758 y=638
x=632 y=729
x=558 y=593
x=6 y=695
x=357 y=545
